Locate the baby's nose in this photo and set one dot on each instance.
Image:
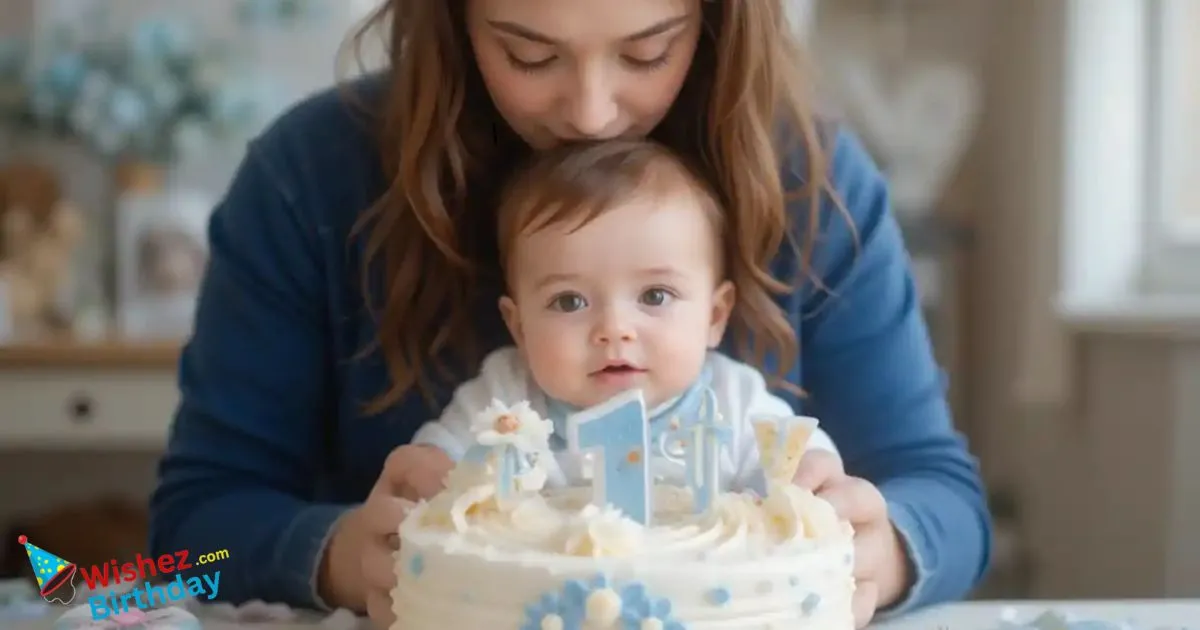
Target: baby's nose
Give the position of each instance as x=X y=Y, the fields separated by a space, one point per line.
x=613 y=328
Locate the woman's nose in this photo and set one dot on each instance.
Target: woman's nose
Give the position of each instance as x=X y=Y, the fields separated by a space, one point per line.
x=593 y=111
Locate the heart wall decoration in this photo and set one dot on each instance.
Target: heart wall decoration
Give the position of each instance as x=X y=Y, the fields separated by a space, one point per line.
x=917 y=117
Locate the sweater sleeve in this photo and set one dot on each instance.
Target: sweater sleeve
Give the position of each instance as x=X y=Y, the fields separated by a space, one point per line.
x=242 y=458
x=874 y=383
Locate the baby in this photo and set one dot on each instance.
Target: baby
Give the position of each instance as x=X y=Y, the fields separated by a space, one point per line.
x=614 y=259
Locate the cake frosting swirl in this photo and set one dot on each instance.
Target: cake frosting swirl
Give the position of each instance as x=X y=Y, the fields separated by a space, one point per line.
x=740 y=527
x=550 y=559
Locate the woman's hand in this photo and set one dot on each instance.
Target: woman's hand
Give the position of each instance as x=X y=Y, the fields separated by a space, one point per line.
x=357 y=572
x=880 y=563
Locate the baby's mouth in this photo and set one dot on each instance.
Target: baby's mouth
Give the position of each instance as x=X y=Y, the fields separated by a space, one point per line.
x=618 y=369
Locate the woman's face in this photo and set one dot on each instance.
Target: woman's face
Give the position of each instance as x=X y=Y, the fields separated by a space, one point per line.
x=561 y=70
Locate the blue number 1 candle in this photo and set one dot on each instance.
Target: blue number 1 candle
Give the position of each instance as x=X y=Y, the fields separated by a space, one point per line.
x=617 y=430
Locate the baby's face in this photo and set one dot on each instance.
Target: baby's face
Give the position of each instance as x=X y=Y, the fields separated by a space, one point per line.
x=630 y=300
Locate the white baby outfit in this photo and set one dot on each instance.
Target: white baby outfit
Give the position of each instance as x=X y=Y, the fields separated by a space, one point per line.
x=740 y=390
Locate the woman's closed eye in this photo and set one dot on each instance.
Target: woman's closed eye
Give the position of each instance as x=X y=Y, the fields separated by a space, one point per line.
x=637 y=63
x=530 y=65
x=642 y=64
x=567 y=302
x=649 y=55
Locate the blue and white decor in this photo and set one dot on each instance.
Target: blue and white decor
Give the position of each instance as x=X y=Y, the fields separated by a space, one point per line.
x=153 y=93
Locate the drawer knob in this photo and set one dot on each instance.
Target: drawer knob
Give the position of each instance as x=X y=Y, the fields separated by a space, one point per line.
x=81 y=408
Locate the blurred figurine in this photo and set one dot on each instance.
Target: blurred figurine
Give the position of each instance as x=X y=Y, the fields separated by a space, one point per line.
x=39 y=231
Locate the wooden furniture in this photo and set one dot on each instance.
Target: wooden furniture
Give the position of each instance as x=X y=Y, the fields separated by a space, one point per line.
x=93 y=396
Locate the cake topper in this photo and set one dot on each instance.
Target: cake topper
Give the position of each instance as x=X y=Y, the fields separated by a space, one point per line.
x=781 y=443
x=511 y=438
x=701 y=445
x=618 y=432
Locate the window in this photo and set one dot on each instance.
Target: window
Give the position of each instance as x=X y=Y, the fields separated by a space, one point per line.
x=1173 y=173
x=1131 y=148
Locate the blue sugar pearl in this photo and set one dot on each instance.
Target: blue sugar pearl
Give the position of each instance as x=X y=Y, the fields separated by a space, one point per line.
x=416 y=565
x=719 y=596
x=810 y=603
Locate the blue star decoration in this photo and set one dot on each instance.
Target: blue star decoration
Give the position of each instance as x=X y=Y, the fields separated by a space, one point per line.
x=568 y=609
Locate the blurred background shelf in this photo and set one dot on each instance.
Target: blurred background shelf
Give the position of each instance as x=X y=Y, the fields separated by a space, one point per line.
x=79 y=354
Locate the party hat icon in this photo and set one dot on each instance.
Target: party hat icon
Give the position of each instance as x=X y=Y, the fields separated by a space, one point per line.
x=53 y=573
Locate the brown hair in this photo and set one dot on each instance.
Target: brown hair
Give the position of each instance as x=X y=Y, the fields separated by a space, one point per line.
x=446 y=152
x=575 y=183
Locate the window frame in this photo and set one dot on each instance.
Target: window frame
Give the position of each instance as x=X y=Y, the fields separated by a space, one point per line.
x=1118 y=244
x=1102 y=221
x=1171 y=243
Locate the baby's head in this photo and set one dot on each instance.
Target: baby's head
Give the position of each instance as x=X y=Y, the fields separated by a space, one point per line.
x=615 y=267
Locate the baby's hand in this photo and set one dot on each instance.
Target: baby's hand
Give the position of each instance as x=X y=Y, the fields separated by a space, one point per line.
x=426 y=467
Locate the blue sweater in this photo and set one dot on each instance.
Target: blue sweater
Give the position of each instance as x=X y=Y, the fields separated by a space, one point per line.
x=269 y=445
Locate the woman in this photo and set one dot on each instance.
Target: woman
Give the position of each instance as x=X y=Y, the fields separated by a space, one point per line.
x=299 y=393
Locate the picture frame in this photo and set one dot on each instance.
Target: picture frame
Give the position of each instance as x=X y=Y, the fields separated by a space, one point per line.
x=161 y=255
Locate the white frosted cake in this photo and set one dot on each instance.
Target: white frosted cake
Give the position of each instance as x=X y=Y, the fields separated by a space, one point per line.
x=523 y=557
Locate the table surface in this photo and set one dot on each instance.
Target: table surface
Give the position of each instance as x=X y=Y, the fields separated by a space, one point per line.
x=1176 y=614
x=1148 y=614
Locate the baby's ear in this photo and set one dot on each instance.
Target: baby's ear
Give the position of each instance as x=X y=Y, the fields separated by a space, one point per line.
x=512 y=319
x=724 y=297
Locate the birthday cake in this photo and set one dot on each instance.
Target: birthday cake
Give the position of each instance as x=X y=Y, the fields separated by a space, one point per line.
x=499 y=550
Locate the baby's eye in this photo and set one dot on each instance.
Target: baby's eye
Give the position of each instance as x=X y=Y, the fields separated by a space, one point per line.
x=656 y=297
x=568 y=302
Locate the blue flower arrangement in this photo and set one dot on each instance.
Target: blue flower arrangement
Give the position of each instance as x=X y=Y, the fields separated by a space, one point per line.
x=279 y=12
x=630 y=607
x=155 y=92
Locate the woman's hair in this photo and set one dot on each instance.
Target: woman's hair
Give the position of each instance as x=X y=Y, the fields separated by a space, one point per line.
x=446 y=152
x=575 y=183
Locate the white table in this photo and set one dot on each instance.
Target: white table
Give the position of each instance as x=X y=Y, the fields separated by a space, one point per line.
x=1148 y=614
x=1176 y=614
